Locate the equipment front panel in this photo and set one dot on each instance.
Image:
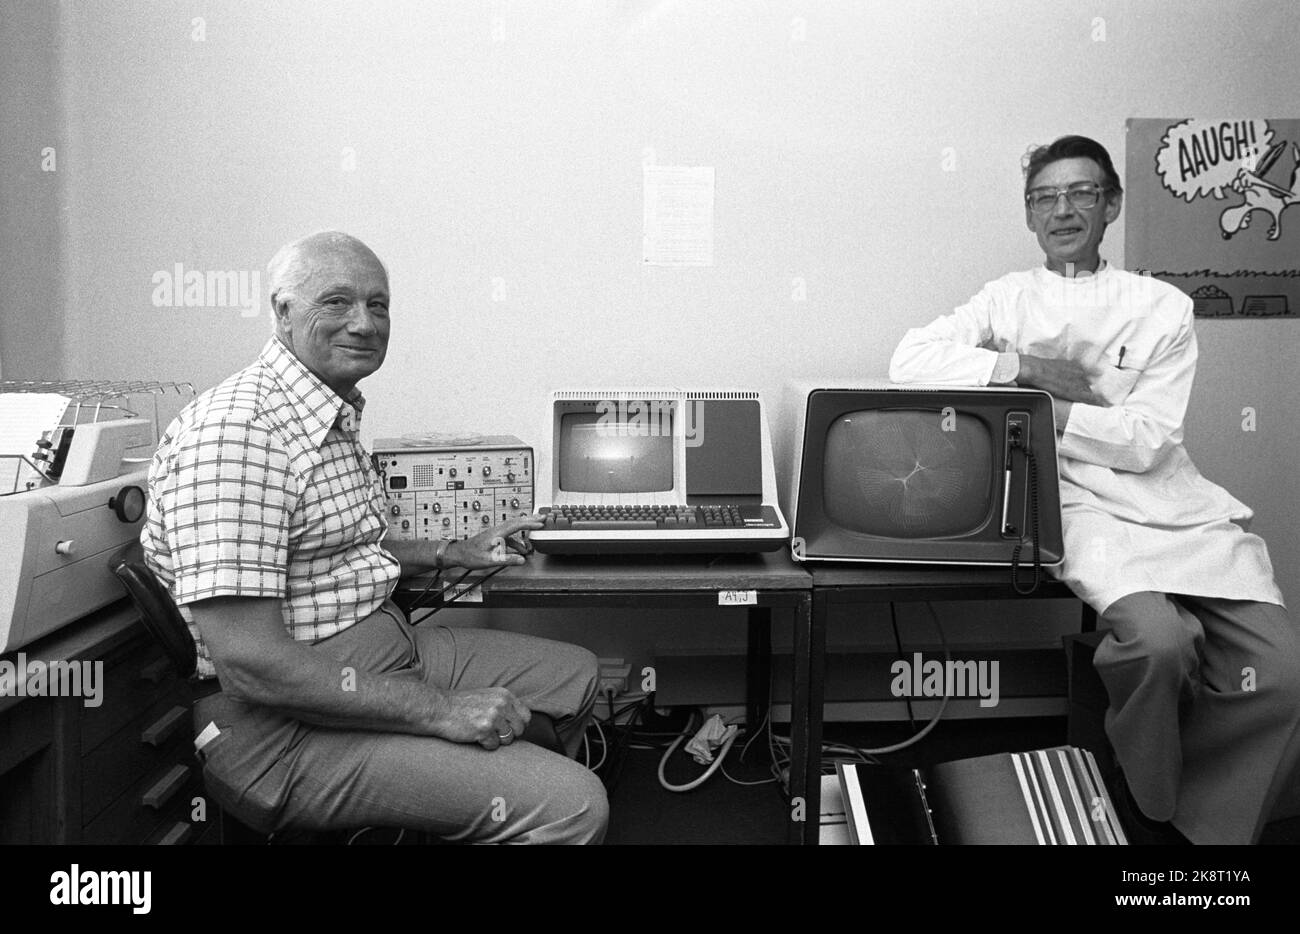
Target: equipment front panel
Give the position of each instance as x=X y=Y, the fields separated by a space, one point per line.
x=452 y=494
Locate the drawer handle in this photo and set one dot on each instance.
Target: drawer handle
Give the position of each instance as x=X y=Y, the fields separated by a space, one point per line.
x=165 y=787
x=178 y=834
x=156 y=671
x=165 y=727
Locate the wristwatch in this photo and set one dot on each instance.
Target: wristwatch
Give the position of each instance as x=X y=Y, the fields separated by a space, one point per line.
x=438 y=555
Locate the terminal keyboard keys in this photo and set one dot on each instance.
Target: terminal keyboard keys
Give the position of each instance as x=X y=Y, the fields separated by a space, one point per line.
x=601 y=525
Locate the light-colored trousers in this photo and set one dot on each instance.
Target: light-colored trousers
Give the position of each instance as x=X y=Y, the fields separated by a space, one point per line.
x=274 y=772
x=1204 y=711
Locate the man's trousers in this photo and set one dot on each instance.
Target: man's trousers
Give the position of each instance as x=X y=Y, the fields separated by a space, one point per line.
x=1204 y=711
x=273 y=771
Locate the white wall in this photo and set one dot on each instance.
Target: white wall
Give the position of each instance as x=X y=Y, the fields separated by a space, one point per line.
x=505 y=140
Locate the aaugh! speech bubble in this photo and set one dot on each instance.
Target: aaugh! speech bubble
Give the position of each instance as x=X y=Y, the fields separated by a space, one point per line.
x=1202 y=157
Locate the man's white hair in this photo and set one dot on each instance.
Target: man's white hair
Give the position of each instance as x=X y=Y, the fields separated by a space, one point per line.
x=293 y=264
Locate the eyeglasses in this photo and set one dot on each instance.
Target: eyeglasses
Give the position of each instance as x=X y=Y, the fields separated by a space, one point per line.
x=1043 y=200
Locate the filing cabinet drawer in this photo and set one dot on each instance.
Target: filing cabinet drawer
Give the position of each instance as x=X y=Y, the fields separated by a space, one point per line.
x=138 y=748
x=174 y=833
x=179 y=829
x=156 y=796
x=134 y=678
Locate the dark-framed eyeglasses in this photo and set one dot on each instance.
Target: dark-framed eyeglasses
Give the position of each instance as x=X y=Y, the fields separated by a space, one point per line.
x=1085 y=195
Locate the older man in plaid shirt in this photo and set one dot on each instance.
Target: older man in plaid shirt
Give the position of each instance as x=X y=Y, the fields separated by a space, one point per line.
x=266 y=522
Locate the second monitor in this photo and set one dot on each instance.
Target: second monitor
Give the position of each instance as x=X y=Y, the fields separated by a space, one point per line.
x=648 y=471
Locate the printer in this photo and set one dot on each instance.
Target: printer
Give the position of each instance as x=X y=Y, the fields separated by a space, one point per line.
x=56 y=540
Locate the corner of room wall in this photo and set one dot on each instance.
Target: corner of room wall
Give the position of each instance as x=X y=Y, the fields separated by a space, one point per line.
x=33 y=167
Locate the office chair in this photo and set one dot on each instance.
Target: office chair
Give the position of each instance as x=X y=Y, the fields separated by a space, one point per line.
x=163 y=620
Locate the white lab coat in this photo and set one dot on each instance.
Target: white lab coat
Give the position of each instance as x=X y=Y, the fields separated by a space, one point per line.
x=1137 y=514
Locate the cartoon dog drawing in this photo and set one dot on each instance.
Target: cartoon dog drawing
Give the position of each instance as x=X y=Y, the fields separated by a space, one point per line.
x=1262 y=195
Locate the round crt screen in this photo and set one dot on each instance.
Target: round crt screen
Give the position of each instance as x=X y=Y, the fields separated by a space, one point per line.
x=908 y=473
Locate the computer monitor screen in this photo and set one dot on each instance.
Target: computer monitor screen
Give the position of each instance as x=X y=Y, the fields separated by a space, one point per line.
x=602 y=455
x=908 y=473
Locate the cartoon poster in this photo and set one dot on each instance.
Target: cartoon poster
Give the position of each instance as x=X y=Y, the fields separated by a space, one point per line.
x=1207 y=201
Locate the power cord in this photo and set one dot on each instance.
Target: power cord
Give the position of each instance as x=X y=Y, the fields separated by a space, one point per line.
x=615 y=746
x=934 y=721
x=779 y=756
x=736 y=781
x=604 y=747
x=781 y=759
x=418 y=604
x=898 y=644
x=716 y=764
x=765 y=726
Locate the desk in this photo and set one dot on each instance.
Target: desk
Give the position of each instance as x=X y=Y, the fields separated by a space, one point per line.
x=682 y=583
x=685 y=582
x=875 y=583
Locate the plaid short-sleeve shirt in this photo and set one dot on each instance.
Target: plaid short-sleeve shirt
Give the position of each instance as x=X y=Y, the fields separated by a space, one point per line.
x=260 y=488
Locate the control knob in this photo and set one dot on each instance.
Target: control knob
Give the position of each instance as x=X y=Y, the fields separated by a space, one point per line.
x=128 y=504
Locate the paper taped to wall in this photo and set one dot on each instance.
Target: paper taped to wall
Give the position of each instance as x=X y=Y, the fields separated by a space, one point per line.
x=678 y=216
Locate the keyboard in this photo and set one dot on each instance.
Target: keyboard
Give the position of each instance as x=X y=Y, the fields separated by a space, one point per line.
x=715 y=527
x=618 y=518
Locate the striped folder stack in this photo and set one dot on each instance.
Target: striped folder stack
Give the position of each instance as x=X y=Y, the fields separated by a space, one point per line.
x=1048 y=796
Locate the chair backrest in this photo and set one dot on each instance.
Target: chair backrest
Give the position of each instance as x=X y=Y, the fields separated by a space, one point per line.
x=159 y=613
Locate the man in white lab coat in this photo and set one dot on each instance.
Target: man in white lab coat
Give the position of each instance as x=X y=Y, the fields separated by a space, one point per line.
x=1202 y=664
